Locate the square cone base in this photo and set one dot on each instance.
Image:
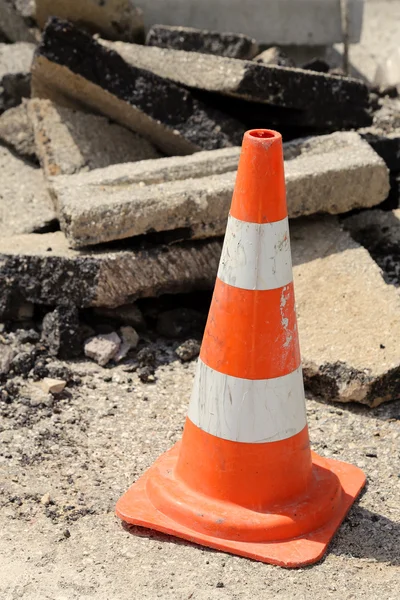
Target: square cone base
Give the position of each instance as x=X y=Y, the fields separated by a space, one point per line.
x=136 y=508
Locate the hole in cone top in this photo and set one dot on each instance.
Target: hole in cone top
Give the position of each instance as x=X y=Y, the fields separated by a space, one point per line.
x=264 y=133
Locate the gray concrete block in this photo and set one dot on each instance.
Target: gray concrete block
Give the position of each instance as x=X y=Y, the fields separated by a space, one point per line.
x=100 y=79
x=322 y=97
x=25 y=205
x=16 y=20
x=299 y=22
x=16 y=131
x=69 y=141
x=347 y=316
x=114 y=19
x=43 y=268
x=231 y=45
x=333 y=174
x=15 y=65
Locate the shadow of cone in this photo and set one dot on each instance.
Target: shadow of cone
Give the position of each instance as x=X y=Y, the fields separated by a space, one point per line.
x=243 y=479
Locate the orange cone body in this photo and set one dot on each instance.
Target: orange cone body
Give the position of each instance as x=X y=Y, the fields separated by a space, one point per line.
x=243 y=479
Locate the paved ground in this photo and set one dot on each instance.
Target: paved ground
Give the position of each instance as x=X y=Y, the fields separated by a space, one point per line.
x=86 y=448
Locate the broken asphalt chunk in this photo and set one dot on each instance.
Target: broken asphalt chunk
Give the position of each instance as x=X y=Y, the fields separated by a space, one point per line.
x=70 y=63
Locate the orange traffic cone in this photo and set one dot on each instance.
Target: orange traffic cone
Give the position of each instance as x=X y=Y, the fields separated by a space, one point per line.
x=243 y=479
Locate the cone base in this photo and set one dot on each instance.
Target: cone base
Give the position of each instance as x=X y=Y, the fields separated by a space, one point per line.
x=135 y=507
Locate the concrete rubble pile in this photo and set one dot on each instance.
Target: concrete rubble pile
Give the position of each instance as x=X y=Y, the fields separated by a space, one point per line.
x=119 y=153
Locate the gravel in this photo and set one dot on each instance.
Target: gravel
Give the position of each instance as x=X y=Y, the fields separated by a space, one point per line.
x=86 y=446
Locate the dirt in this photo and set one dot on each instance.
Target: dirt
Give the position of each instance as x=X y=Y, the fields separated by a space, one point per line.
x=65 y=461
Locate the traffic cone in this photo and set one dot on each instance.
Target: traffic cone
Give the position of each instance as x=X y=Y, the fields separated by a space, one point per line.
x=243 y=479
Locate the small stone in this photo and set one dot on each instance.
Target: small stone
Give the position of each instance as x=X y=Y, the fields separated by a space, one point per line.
x=103 y=348
x=23 y=362
x=6 y=356
x=146 y=357
x=129 y=336
x=45 y=499
x=60 y=332
x=188 y=350
x=16 y=131
x=52 y=386
x=146 y=374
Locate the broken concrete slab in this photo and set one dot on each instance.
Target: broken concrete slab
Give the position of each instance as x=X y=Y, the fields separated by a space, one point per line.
x=43 y=268
x=114 y=19
x=15 y=65
x=272 y=22
x=231 y=45
x=69 y=141
x=347 y=316
x=16 y=131
x=379 y=232
x=332 y=173
x=25 y=205
x=316 y=94
x=16 y=21
x=69 y=62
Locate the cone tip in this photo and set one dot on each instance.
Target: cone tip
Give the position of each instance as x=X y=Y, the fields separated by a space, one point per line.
x=262 y=136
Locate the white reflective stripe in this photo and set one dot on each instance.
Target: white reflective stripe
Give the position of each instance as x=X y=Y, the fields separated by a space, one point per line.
x=256 y=256
x=245 y=410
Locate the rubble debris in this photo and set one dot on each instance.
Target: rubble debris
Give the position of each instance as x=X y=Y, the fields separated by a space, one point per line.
x=25 y=204
x=274 y=56
x=52 y=386
x=273 y=22
x=103 y=348
x=349 y=326
x=388 y=72
x=16 y=21
x=333 y=173
x=180 y=322
x=129 y=336
x=15 y=77
x=100 y=79
x=17 y=132
x=188 y=350
x=7 y=354
x=130 y=340
x=318 y=96
x=128 y=314
x=45 y=499
x=379 y=232
x=43 y=270
x=232 y=45
x=60 y=332
x=69 y=141
x=114 y=19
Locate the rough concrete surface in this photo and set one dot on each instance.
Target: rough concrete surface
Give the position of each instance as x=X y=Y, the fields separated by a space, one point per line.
x=348 y=317
x=232 y=45
x=44 y=268
x=15 y=64
x=115 y=19
x=284 y=87
x=16 y=131
x=70 y=63
x=25 y=205
x=333 y=173
x=69 y=141
x=65 y=461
